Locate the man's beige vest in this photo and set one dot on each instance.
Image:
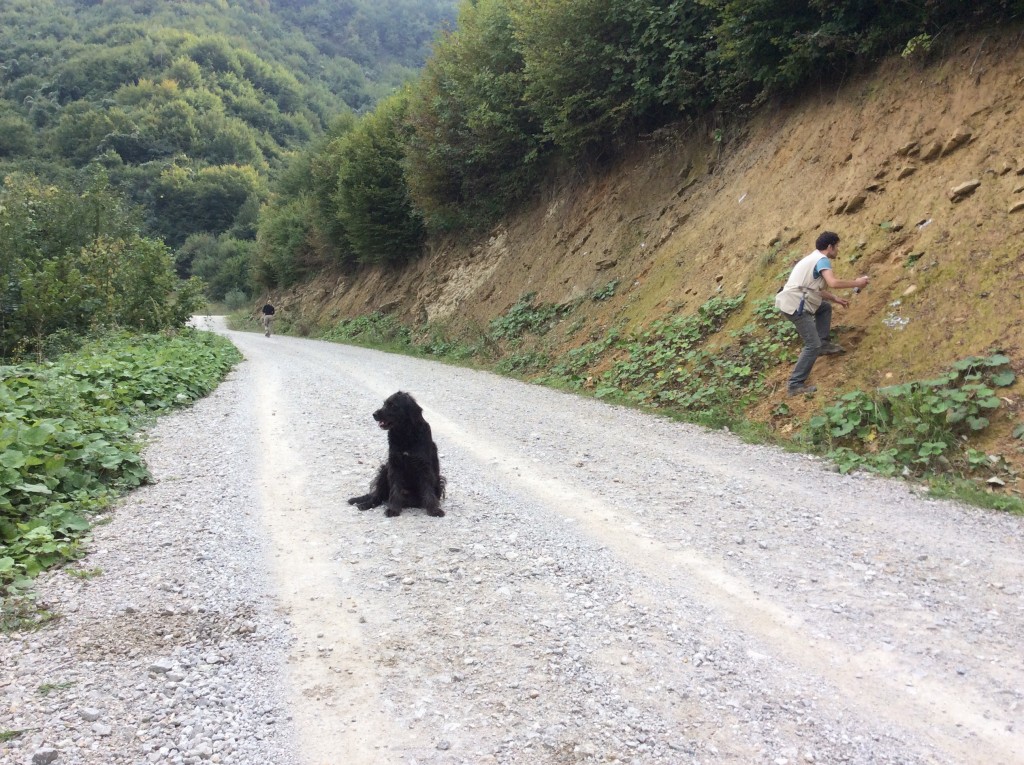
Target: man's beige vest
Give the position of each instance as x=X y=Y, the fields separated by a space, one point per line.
x=802 y=284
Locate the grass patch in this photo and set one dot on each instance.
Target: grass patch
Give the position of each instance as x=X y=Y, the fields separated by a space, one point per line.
x=947 y=487
x=85 y=573
x=19 y=613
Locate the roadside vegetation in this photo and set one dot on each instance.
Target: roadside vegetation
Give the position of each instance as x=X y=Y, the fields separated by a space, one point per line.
x=92 y=346
x=691 y=367
x=69 y=436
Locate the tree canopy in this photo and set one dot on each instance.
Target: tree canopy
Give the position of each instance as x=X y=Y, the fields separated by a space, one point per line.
x=191 y=107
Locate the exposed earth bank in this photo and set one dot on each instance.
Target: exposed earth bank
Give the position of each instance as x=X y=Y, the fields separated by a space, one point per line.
x=606 y=586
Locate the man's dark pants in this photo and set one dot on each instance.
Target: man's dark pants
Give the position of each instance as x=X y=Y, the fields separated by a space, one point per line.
x=813 y=329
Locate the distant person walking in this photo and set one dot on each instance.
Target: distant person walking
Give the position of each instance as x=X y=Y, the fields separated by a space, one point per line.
x=267 y=318
x=805 y=302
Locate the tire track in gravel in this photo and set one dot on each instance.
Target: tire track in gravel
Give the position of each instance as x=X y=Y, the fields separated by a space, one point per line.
x=337 y=711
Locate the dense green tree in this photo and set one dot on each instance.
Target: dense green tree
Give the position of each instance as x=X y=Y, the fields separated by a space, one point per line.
x=368 y=32
x=475 y=147
x=83 y=128
x=72 y=261
x=186 y=72
x=188 y=200
x=600 y=70
x=40 y=222
x=16 y=134
x=373 y=200
x=150 y=89
x=96 y=71
x=132 y=284
x=224 y=140
x=223 y=263
x=313 y=176
x=289 y=245
x=191 y=248
x=766 y=48
x=299 y=222
x=247 y=220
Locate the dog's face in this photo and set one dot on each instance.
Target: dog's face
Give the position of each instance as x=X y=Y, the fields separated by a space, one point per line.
x=399 y=408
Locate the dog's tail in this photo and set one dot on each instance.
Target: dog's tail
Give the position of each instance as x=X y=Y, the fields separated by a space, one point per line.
x=442 y=482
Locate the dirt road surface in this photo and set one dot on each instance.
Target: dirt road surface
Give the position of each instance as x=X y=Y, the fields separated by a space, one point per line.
x=607 y=586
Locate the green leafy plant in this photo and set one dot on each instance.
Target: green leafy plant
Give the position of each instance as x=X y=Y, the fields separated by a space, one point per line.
x=672 y=365
x=667 y=364
x=67 y=436
x=919 y=427
x=523 y=363
x=376 y=330
x=917 y=46
x=606 y=292
x=572 y=368
x=526 y=317
x=47 y=688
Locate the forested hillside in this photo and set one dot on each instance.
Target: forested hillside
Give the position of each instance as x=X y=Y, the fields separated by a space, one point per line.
x=188 y=108
x=526 y=90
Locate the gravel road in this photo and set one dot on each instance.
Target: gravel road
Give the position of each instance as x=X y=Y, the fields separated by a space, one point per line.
x=606 y=587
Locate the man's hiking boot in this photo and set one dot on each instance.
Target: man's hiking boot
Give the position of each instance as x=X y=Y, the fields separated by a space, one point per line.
x=808 y=389
x=828 y=349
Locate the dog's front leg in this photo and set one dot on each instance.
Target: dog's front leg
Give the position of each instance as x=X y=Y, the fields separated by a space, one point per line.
x=394 y=505
x=429 y=498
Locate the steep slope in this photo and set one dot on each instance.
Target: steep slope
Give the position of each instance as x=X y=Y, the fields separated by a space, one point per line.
x=705 y=210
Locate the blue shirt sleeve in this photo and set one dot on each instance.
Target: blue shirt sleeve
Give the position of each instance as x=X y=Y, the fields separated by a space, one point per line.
x=822 y=265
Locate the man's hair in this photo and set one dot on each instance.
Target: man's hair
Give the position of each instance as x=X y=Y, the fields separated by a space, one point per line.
x=825 y=240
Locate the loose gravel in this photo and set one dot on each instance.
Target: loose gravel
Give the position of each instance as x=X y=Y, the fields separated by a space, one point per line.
x=606 y=587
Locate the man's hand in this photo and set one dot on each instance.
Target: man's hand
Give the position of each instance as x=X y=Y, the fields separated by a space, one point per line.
x=833 y=298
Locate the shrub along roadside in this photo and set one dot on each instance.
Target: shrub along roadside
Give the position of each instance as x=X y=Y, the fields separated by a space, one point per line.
x=686 y=367
x=68 y=436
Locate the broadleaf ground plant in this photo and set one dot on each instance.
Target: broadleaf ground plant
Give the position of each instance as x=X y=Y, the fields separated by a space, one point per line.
x=918 y=428
x=67 y=436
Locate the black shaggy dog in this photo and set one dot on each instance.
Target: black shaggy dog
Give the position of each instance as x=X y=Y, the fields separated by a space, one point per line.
x=412 y=475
